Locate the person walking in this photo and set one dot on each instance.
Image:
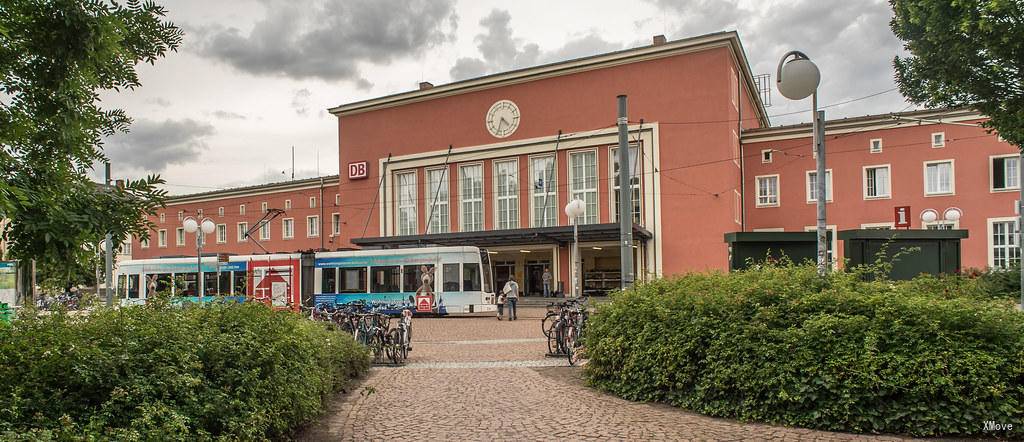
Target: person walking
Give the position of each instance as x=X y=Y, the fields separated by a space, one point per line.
x=547 y=282
x=511 y=292
x=500 y=301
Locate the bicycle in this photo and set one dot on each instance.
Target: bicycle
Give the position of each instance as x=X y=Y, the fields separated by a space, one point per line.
x=567 y=321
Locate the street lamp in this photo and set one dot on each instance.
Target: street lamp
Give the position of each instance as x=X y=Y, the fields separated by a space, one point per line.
x=575 y=209
x=797 y=79
x=192 y=226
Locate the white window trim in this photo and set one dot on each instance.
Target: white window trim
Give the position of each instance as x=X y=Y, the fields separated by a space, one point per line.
x=778 y=191
x=736 y=148
x=483 y=196
x=161 y=242
x=284 y=229
x=871 y=145
x=287 y=204
x=144 y=243
x=494 y=175
x=889 y=225
x=317 y=224
x=241 y=209
x=952 y=177
x=613 y=193
x=932 y=140
x=335 y=227
x=988 y=237
x=429 y=192
x=829 y=190
x=554 y=177
x=337 y=199
x=770 y=229
x=265 y=227
x=398 y=201
x=991 y=173
x=217 y=232
x=162 y=217
x=771 y=156
x=864 y=182
x=597 y=185
x=925 y=224
x=312 y=202
x=181 y=215
x=264 y=207
x=242 y=228
x=831 y=228
x=181 y=237
x=220 y=211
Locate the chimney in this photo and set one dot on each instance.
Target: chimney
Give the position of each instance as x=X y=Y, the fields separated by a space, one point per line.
x=659 y=40
x=424 y=85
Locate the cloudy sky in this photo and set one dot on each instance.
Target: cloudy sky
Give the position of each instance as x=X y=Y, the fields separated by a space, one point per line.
x=254 y=78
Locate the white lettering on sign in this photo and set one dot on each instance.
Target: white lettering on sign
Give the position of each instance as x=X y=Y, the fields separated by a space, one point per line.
x=357 y=171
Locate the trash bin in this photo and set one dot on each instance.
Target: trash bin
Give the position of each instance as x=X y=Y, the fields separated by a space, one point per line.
x=916 y=251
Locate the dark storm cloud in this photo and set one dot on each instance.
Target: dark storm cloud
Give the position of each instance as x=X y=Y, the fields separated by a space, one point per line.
x=501 y=51
x=328 y=40
x=153 y=145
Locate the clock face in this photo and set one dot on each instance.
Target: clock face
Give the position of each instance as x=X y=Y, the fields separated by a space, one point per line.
x=502 y=119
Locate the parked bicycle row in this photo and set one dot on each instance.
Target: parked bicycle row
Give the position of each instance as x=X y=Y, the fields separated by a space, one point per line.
x=372 y=329
x=564 y=327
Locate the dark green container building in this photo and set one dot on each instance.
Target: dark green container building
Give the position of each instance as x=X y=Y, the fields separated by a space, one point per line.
x=920 y=251
x=747 y=248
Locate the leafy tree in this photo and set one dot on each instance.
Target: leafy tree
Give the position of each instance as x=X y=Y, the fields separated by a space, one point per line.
x=56 y=56
x=965 y=53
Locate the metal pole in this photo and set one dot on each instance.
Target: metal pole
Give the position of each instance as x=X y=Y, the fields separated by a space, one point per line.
x=625 y=199
x=819 y=146
x=199 y=262
x=109 y=267
x=576 y=261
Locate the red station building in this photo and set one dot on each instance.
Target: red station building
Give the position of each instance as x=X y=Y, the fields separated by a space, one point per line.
x=491 y=162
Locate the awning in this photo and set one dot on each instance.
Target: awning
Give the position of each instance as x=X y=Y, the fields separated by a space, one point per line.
x=561 y=235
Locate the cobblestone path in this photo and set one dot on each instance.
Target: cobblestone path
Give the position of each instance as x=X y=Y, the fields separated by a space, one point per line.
x=481 y=379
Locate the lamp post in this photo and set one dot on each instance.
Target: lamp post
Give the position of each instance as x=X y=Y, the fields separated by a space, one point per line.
x=797 y=79
x=199 y=228
x=575 y=209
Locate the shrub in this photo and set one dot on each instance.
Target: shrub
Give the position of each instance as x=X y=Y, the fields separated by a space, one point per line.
x=777 y=344
x=226 y=371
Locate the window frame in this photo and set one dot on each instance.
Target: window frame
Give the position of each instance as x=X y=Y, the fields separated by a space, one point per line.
x=143 y=243
x=463 y=200
x=335 y=224
x=991 y=173
x=288 y=204
x=757 y=191
x=767 y=159
x=314 y=222
x=285 y=234
x=513 y=221
x=990 y=246
x=222 y=228
x=242 y=228
x=161 y=238
x=925 y=224
x=596 y=189
x=871 y=145
x=613 y=185
x=942 y=135
x=864 y=182
x=952 y=177
x=312 y=202
x=179 y=237
x=829 y=189
x=241 y=209
x=266 y=228
x=412 y=204
x=264 y=207
x=220 y=211
x=163 y=218
x=549 y=191
x=429 y=193
x=887 y=225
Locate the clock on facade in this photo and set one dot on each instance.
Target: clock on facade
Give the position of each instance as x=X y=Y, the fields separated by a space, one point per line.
x=502 y=119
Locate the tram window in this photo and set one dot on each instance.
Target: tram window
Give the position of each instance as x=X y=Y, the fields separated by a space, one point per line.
x=164 y=282
x=185 y=284
x=386 y=279
x=352 y=280
x=224 y=283
x=471 y=277
x=240 y=283
x=133 y=286
x=328 y=282
x=451 y=277
x=209 y=283
x=412 y=277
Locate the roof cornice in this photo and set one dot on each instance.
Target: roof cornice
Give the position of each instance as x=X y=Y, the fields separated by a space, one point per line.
x=890 y=120
x=261 y=189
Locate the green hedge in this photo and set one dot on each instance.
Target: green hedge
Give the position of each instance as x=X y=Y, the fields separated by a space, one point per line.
x=779 y=345
x=224 y=371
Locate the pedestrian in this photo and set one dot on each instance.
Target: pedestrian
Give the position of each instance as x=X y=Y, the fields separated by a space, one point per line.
x=511 y=292
x=500 y=300
x=547 y=282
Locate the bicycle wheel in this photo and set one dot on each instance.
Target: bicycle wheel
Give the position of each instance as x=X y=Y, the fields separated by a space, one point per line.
x=570 y=344
x=393 y=343
x=376 y=346
x=547 y=323
x=553 y=344
x=403 y=343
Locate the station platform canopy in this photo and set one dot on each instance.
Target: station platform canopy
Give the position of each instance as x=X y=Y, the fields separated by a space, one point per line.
x=561 y=235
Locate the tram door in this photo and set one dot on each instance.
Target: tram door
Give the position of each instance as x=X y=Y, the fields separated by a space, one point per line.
x=503 y=270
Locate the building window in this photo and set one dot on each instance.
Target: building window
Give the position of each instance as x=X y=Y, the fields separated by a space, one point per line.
x=335 y=223
x=938 y=178
x=634 y=182
x=242 y=228
x=812 y=186
x=941 y=225
x=1005 y=172
x=220 y=211
x=162 y=218
x=876 y=145
x=766 y=156
x=545 y=191
x=126 y=248
x=337 y=199
x=161 y=238
x=144 y=243
x=181 y=215
x=199 y=212
x=1004 y=248
x=312 y=226
x=506 y=186
x=583 y=182
x=179 y=236
x=288 y=228
x=878 y=226
x=877 y=182
x=437 y=194
x=767 y=191
x=265 y=231
x=406 y=201
x=241 y=209
x=287 y=204
x=263 y=207
x=312 y=202
x=222 y=233
x=471 y=194
x=938 y=139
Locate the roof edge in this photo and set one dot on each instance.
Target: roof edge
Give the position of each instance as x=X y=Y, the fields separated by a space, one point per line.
x=238 y=191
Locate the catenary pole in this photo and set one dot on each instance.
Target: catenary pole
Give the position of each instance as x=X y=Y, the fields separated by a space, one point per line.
x=822 y=181
x=625 y=199
x=109 y=254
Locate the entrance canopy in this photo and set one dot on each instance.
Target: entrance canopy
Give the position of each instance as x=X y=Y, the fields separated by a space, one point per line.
x=560 y=235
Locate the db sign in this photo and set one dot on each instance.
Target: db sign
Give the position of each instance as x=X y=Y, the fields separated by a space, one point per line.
x=358 y=170
x=424 y=303
x=902 y=217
